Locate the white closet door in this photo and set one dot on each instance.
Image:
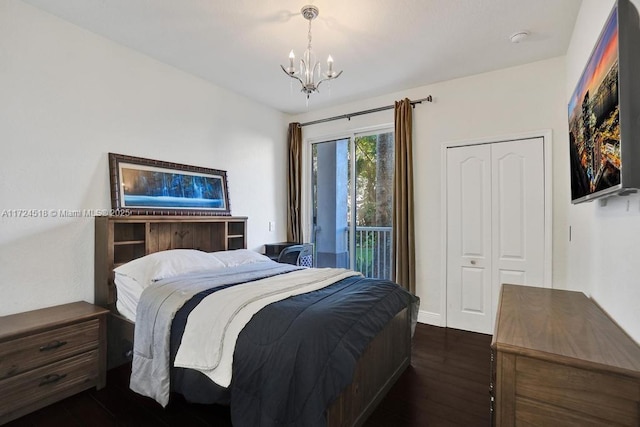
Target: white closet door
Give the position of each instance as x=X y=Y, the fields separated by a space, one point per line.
x=469 y=238
x=495 y=227
x=517 y=215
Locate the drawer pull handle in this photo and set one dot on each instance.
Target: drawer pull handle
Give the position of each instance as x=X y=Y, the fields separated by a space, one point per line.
x=50 y=379
x=52 y=345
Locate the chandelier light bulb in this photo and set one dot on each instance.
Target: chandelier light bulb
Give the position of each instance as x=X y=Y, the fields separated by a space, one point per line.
x=291 y=70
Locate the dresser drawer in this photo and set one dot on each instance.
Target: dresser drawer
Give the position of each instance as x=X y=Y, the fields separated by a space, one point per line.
x=531 y=413
x=56 y=380
x=21 y=354
x=580 y=391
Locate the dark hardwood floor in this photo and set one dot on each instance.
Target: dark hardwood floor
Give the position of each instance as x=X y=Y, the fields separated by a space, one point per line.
x=447 y=384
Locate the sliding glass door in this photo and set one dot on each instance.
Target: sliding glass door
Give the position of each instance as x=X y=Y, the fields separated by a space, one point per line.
x=351 y=189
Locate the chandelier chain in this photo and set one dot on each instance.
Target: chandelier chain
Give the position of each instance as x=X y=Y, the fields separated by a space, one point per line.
x=309 y=35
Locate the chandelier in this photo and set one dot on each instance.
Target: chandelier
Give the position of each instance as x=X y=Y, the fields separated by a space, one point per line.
x=310 y=69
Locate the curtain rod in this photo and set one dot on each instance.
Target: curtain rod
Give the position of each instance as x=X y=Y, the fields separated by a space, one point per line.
x=360 y=113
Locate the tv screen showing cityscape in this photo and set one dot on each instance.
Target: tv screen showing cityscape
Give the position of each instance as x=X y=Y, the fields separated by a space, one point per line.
x=594 y=120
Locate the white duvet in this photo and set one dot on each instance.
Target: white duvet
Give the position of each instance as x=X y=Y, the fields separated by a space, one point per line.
x=213 y=326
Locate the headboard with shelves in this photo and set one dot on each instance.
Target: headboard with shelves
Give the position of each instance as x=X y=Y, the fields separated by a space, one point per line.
x=122 y=239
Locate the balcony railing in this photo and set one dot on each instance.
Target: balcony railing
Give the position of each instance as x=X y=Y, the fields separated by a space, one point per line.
x=373 y=251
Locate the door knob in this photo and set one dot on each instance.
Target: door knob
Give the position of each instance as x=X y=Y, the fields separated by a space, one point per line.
x=473 y=262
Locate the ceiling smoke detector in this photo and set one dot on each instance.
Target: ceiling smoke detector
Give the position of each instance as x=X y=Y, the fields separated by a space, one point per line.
x=519 y=36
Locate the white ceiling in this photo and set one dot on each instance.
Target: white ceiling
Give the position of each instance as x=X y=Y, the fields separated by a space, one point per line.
x=381 y=45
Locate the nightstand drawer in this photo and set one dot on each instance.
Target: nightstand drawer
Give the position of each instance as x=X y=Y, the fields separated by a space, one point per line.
x=55 y=381
x=22 y=354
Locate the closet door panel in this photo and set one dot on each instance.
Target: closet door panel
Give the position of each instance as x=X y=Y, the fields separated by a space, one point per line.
x=469 y=237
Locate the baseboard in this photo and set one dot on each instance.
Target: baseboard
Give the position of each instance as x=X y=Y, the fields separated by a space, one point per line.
x=429 y=318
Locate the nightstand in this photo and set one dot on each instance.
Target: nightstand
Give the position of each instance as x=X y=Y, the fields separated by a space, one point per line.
x=303 y=254
x=49 y=354
x=272 y=250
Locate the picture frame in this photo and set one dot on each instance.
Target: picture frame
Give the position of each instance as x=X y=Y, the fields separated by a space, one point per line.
x=142 y=186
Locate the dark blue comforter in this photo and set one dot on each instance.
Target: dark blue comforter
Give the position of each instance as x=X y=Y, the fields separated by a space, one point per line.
x=297 y=355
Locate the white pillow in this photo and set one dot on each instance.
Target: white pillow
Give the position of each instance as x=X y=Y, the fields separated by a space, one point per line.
x=239 y=257
x=161 y=265
x=128 y=291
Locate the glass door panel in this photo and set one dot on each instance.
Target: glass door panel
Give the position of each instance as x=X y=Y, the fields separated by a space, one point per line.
x=374 y=163
x=352 y=201
x=331 y=201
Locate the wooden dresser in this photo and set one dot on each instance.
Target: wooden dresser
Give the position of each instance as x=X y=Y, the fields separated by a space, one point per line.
x=559 y=360
x=49 y=354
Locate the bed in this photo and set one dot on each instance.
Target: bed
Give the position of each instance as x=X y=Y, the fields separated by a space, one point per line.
x=120 y=240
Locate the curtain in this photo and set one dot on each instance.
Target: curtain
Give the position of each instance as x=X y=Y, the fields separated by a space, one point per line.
x=403 y=269
x=294 y=221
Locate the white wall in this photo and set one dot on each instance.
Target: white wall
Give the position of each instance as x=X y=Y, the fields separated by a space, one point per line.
x=605 y=247
x=505 y=102
x=67 y=98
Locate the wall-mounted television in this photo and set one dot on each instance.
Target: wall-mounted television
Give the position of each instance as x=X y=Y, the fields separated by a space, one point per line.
x=604 y=112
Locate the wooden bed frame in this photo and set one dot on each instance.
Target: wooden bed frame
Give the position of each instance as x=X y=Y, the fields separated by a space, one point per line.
x=122 y=239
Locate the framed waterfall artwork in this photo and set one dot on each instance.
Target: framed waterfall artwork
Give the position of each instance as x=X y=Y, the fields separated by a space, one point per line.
x=153 y=187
